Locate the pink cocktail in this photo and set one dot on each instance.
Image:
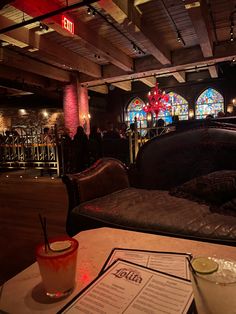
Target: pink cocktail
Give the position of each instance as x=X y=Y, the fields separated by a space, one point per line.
x=58 y=265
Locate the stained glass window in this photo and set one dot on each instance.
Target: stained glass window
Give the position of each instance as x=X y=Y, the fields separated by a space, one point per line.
x=179 y=107
x=135 y=109
x=165 y=115
x=210 y=102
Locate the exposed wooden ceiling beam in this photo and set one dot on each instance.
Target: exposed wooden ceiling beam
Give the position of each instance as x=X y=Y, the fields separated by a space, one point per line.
x=39 y=98
x=138 y=2
x=119 y=10
x=93 y=40
x=127 y=86
x=102 y=89
x=9 y=73
x=24 y=37
x=65 y=56
x=197 y=14
x=213 y=71
x=149 y=81
x=21 y=62
x=28 y=83
x=5 y=90
x=180 y=76
x=19 y=37
x=12 y=41
x=149 y=66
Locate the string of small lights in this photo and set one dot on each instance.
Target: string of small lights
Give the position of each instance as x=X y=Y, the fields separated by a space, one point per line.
x=28 y=177
x=232 y=26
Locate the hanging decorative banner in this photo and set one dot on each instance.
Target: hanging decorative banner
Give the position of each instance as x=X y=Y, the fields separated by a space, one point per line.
x=157 y=100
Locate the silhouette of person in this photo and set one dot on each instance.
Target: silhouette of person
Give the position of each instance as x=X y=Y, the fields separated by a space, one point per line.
x=81 y=150
x=66 y=151
x=160 y=125
x=111 y=133
x=95 y=144
x=220 y=114
x=209 y=117
x=46 y=136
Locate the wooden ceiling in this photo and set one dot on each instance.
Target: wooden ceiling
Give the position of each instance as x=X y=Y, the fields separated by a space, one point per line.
x=170 y=37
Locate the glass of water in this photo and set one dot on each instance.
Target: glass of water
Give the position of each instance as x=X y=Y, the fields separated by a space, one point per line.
x=214 y=285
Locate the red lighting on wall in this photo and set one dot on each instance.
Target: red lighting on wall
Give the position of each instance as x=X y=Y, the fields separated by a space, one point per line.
x=67 y=24
x=70 y=109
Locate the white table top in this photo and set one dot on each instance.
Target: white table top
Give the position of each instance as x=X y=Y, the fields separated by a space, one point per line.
x=24 y=293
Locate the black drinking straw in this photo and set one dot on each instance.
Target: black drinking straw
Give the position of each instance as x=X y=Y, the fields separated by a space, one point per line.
x=191 y=266
x=43 y=222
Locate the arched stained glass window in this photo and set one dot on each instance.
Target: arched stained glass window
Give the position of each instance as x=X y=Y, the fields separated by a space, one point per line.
x=209 y=102
x=166 y=115
x=135 y=109
x=179 y=106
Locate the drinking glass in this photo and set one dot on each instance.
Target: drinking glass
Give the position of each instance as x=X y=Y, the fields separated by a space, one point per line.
x=58 y=267
x=215 y=293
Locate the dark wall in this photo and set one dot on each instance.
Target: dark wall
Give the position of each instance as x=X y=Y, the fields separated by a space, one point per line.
x=118 y=99
x=98 y=108
x=31 y=101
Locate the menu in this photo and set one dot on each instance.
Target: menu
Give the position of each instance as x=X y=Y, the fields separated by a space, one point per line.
x=125 y=287
x=168 y=262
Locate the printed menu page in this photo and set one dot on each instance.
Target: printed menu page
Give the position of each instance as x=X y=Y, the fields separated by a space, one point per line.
x=168 y=262
x=130 y=288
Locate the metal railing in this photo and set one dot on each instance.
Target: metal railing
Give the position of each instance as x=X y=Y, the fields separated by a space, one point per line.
x=29 y=150
x=138 y=136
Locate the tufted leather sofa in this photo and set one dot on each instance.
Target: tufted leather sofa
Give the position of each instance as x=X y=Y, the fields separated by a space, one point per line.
x=110 y=194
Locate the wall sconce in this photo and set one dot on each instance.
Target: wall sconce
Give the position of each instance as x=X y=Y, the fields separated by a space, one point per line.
x=45 y=113
x=230 y=108
x=22 y=112
x=149 y=116
x=234 y=101
x=85 y=121
x=191 y=113
x=85 y=117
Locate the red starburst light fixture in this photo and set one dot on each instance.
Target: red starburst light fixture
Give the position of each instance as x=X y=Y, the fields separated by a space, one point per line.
x=157 y=100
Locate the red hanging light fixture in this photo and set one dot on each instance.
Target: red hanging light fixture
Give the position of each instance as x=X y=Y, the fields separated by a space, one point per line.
x=157 y=100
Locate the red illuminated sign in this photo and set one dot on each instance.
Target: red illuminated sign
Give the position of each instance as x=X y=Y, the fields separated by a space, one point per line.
x=67 y=24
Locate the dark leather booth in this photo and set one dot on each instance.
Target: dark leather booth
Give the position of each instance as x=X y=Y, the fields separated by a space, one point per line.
x=140 y=198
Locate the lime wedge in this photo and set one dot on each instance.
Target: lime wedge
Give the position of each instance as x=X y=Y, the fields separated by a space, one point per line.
x=60 y=245
x=204 y=265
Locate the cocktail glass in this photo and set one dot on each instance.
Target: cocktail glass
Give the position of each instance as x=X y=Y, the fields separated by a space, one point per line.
x=58 y=267
x=215 y=293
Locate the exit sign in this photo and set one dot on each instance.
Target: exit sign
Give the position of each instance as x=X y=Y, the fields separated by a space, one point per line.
x=67 y=24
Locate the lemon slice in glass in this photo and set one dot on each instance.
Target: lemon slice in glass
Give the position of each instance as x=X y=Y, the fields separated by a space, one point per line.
x=59 y=246
x=204 y=265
